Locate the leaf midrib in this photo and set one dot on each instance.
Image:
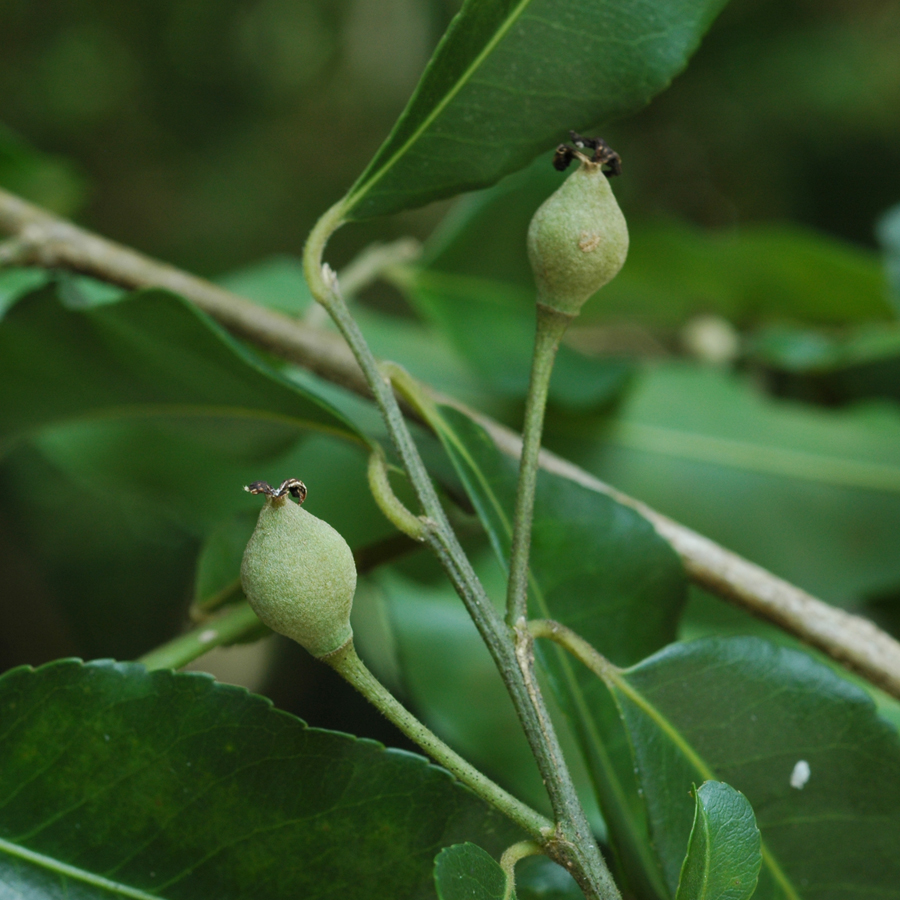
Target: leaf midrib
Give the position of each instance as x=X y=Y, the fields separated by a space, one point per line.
x=758 y=457
x=190 y=411
x=357 y=195
x=60 y=868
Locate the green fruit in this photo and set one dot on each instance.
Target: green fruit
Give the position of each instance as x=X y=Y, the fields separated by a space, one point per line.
x=577 y=240
x=299 y=575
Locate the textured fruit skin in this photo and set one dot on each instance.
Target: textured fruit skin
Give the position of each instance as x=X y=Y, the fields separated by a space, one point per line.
x=577 y=240
x=299 y=575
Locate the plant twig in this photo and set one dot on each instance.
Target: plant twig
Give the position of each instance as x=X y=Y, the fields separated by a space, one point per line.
x=51 y=242
x=512 y=855
x=852 y=640
x=236 y=622
x=550 y=327
x=352 y=669
x=574 y=644
x=572 y=844
x=369 y=265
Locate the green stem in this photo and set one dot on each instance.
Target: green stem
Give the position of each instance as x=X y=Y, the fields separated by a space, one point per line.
x=551 y=326
x=238 y=622
x=511 y=855
x=576 y=645
x=352 y=669
x=573 y=845
x=388 y=502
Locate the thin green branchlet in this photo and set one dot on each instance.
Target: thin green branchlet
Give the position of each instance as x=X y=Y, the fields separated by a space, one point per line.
x=577 y=242
x=572 y=844
x=551 y=325
x=388 y=502
x=512 y=855
x=352 y=669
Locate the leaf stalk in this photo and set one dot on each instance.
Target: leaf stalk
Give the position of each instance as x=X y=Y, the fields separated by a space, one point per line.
x=346 y=662
x=551 y=326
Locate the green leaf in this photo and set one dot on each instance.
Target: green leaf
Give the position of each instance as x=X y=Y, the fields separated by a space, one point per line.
x=601 y=569
x=119 y=782
x=723 y=857
x=817 y=366
x=219 y=560
x=887 y=230
x=48 y=180
x=276 y=282
x=598 y=566
x=150 y=357
x=100 y=572
x=511 y=77
x=16 y=283
x=806 y=747
x=765 y=271
x=466 y=872
x=149 y=420
x=811 y=494
x=491 y=324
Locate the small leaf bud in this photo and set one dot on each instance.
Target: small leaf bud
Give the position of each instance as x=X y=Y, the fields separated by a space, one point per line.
x=577 y=240
x=298 y=573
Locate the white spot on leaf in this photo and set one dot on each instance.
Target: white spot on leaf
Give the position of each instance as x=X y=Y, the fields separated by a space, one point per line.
x=800 y=775
x=206 y=636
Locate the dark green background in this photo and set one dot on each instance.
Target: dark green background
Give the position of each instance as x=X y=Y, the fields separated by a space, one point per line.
x=212 y=133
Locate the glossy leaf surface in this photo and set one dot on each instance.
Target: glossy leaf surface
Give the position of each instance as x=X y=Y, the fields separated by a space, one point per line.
x=806 y=748
x=511 y=77
x=466 y=872
x=119 y=782
x=723 y=857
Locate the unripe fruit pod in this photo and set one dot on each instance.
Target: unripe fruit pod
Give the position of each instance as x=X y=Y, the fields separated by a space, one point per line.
x=577 y=240
x=299 y=575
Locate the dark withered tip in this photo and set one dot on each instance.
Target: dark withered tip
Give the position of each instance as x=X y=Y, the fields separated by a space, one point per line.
x=602 y=153
x=563 y=157
x=292 y=486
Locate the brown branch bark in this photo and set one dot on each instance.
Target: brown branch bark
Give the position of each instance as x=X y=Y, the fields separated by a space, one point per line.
x=44 y=240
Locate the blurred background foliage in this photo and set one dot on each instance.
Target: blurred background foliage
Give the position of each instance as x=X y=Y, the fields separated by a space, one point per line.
x=213 y=133
x=741 y=374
